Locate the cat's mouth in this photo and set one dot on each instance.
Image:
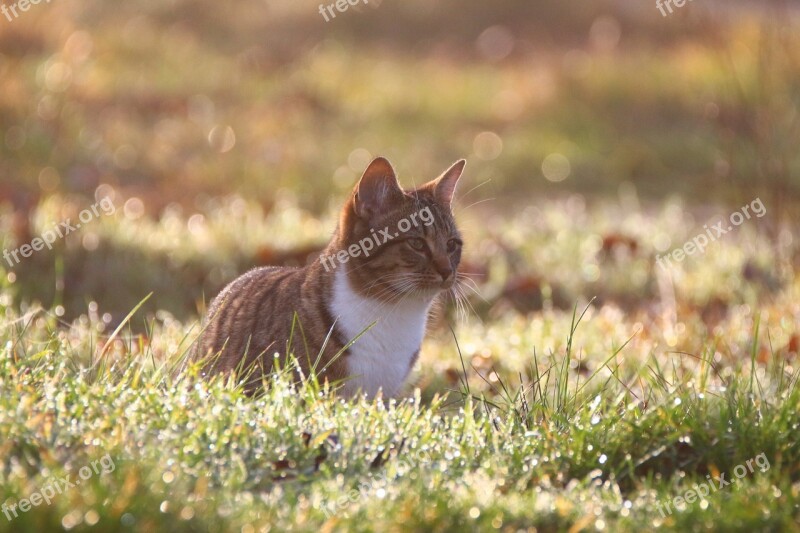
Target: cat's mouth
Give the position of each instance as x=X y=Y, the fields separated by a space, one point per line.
x=422 y=286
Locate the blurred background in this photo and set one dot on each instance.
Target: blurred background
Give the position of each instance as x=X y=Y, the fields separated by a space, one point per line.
x=598 y=136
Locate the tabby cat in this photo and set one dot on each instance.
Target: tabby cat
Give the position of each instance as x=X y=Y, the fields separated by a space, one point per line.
x=357 y=314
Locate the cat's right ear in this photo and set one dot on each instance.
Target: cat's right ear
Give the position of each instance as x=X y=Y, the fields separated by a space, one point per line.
x=377 y=190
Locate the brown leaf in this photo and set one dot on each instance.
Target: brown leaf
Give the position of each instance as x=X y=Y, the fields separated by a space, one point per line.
x=794 y=344
x=617 y=241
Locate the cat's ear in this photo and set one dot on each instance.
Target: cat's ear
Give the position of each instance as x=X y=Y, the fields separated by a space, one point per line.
x=444 y=186
x=377 y=190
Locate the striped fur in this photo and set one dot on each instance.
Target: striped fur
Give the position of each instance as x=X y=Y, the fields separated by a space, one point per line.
x=331 y=303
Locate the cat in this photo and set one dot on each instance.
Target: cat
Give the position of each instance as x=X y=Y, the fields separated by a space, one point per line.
x=357 y=314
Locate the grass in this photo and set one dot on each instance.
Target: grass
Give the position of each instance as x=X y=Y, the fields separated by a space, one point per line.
x=582 y=388
x=564 y=418
x=559 y=452
x=531 y=412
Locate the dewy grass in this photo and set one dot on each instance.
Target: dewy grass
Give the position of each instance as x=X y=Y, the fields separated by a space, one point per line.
x=193 y=454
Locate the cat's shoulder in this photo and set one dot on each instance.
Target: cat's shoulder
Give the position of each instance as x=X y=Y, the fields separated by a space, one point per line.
x=259 y=275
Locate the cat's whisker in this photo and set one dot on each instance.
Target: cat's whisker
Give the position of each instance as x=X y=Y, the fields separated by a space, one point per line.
x=458 y=304
x=462 y=301
x=386 y=280
x=400 y=300
x=476 y=203
x=454 y=297
x=460 y=198
x=474 y=312
x=476 y=293
x=391 y=289
x=473 y=286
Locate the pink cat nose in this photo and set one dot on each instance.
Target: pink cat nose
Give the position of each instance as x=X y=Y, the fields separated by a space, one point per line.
x=445 y=272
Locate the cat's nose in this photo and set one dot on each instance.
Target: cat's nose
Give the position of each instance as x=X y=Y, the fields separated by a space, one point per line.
x=444 y=270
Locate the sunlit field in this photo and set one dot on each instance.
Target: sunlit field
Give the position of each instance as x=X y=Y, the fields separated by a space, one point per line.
x=624 y=356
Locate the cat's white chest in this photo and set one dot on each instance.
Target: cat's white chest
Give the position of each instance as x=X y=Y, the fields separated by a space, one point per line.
x=381 y=357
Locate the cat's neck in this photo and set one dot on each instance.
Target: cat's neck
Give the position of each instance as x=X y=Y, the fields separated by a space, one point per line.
x=388 y=335
x=361 y=308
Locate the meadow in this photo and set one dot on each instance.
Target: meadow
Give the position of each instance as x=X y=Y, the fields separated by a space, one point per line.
x=580 y=385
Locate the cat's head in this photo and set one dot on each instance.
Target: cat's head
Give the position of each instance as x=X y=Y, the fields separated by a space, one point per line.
x=395 y=243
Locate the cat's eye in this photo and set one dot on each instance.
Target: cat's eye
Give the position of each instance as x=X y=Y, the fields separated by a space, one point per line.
x=417 y=244
x=452 y=245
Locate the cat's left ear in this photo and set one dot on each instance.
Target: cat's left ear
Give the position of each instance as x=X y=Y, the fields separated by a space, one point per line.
x=377 y=190
x=444 y=186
